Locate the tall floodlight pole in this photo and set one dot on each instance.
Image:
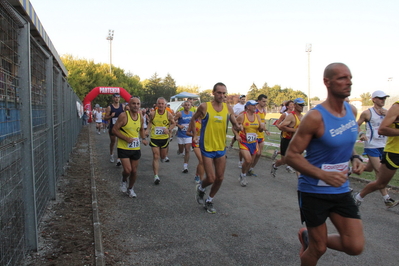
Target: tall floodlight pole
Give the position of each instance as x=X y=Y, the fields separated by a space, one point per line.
x=110 y=37
x=308 y=50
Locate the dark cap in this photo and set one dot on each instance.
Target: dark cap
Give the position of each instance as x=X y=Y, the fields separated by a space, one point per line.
x=116 y=95
x=242 y=96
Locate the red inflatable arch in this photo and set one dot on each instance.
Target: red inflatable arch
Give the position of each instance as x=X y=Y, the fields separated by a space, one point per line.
x=103 y=90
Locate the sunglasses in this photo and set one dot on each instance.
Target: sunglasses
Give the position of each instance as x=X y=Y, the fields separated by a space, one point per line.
x=301 y=104
x=381 y=98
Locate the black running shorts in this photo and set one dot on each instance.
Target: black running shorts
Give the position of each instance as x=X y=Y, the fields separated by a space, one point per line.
x=315 y=208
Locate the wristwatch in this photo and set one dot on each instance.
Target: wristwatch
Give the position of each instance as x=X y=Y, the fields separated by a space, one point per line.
x=357 y=156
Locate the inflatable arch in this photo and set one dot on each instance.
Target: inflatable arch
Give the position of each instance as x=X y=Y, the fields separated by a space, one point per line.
x=103 y=90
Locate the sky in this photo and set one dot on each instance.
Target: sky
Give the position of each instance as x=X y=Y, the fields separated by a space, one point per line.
x=200 y=43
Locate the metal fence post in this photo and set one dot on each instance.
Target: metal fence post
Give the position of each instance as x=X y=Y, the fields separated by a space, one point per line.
x=50 y=126
x=26 y=129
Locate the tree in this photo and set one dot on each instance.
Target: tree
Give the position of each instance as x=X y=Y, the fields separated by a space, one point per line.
x=190 y=88
x=253 y=92
x=206 y=96
x=169 y=87
x=366 y=99
x=315 y=99
x=84 y=75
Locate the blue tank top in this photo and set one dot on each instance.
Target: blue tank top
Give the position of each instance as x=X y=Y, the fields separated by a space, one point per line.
x=331 y=152
x=184 y=120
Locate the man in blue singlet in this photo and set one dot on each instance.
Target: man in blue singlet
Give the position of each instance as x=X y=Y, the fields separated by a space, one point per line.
x=328 y=132
x=112 y=113
x=183 y=118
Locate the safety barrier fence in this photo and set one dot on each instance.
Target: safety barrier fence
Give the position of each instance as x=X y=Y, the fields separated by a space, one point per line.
x=39 y=125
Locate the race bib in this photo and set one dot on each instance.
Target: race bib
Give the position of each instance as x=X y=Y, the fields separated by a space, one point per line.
x=185 y=127
x=339 y=167
x=114 y=120
x=251 y=137
x=159 y=130
x=134 y=144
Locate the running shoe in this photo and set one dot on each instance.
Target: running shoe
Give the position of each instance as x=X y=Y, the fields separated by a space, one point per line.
x=273 y=170
x=123 y=187
x=243 y=180
x=98 y=132
x=274 y=156
x=131 y=193
x=118 y=162
x=197 y=179
x=391 y=202
x=166 y=159
x=252 y=173
x=199 y=195
x=290 y=169
x=156 y=179
x=185 y=170
x=304 y=239
x=209 y=207
x=111 y=158
x=357 y=202
x=178 y=152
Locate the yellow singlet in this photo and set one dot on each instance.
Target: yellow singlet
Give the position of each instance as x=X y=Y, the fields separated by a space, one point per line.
x=159 y=123
x=392 y=144
x=262 y=116
x=249 y=134
x=213 y=130
x=131 y=130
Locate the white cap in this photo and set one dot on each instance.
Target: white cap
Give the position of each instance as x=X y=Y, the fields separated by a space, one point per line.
x=379 y=94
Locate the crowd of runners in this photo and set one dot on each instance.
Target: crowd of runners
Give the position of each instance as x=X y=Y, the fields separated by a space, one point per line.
x=318 y=147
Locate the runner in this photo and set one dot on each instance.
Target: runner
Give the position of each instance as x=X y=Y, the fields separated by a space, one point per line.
x=97 y=117
x=290 y=106
x=162 y=123
x=112 y=113
x=129 y=129
x=390 y=159
x=238 y=108
x=373 y=142
x=199 y=174
x=288 y=127
x=184 y=141
x=214 y=117
x=328 y=132
x=247 y=138
x=261 y=111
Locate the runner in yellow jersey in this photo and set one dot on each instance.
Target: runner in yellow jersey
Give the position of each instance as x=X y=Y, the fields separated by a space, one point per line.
x=390 y=159
x=248 y=137
x=162 y=122
x=212 y=142
x=261 y=111
x=129 y=129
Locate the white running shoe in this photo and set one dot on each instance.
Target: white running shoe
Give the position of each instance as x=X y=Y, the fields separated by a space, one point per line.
x=111 y=158
x=123 y=187
x=131 y=193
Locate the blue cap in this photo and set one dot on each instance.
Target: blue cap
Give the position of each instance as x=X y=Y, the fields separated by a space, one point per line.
x=299 y=101
x=251 y=102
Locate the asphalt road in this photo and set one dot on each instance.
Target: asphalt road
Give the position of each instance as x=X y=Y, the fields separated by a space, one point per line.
x=254 y=225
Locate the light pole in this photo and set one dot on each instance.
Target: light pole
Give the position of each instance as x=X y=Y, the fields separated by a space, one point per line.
x=308 y=50
x=110 y=37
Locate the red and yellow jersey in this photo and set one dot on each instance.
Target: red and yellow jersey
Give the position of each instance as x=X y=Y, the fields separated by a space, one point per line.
x=251 y=129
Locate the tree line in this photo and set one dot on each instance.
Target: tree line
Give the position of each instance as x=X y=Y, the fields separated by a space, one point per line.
x=84 y=75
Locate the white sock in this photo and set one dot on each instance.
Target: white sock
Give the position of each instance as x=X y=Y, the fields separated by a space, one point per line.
x=358 y=197
x=185 y=166
x=386 y=197
x=209 y=199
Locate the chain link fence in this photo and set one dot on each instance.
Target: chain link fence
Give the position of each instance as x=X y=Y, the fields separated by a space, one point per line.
x=39 y=124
